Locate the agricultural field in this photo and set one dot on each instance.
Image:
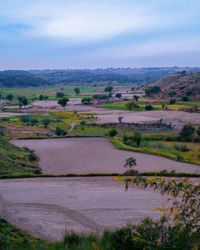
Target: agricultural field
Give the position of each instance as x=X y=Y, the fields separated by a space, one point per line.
x=51 y=90
x=157 y=104
x=72 y=156
x=48 y=208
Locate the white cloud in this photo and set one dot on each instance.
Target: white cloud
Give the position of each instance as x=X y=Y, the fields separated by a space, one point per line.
x=78 y=21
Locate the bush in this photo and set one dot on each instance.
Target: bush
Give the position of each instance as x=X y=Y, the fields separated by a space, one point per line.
x=148 y=107
x=112 y=133
x=185 y=98
x=118 y=95
x=172 y=101
x=60 y=132
x=186 y=133
x=59 y=94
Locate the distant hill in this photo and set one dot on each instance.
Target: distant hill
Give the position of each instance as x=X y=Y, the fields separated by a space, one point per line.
x=179 y=85
x=122 y=76
x=20 y=78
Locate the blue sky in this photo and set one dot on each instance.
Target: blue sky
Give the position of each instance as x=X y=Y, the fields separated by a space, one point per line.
x=93 y=33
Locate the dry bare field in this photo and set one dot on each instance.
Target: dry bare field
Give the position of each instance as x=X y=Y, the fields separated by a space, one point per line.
x=95 y=155
x=50 y=207
x=177 y=118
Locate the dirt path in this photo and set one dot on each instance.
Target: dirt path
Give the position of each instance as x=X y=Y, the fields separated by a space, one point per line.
x=50 y=207
x=95 y=155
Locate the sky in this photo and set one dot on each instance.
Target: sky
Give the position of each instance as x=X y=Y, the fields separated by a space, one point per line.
x=61 y=34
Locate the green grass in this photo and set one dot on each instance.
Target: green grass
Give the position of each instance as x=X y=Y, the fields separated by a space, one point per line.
x=50 y=91
x=165 y=149
x=156 y=103
x=15 y=161
x=122 y=106
x=57 y=119
x=88 y=130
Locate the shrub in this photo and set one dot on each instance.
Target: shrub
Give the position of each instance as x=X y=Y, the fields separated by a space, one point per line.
x=185 y=98
x=112 y=133
x=87 y=101
x=172 y=101
x=148 y=107
x=186 y=132
x=118 y=95
x=132 y=105
x=151 y=91
x=59 y=94
x=60 y=132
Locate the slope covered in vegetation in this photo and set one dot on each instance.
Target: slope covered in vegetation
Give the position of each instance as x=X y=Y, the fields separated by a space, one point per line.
x=15 y=161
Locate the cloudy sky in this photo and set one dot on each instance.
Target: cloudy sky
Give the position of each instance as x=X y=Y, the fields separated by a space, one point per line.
x=99 y=33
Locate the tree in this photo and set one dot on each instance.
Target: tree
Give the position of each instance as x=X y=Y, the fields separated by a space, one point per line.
x=136 y=98
x=152 y=91
x=148 y=107
x=77 y=91
x=63 y=102
x=46 y=122
x=108 y=89
x=137 y=138
x=60 y=132
x=10 y=97
x=130 y=164
x=120 y=118
x=172 y=101
x=184 y=202
x=112 y=133
x=59 y=94
x=23 y=101
x=118 y=95
x=187 y=132
x=87 y=101
x=132 y=105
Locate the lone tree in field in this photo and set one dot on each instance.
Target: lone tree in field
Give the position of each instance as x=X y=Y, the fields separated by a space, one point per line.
x=63 y=102
x=120 y=118
x=77 y=91
x=23 y=101
x=130 y=164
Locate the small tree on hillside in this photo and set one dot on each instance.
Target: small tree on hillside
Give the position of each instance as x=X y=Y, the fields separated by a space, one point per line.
x=63 y=102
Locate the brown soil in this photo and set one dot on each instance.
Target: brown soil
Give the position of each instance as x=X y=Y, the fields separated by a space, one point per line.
x=50 y=207
x=95 y=155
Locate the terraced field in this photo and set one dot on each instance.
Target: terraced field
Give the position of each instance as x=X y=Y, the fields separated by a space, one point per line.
x=50 y=207
x=95 y=155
